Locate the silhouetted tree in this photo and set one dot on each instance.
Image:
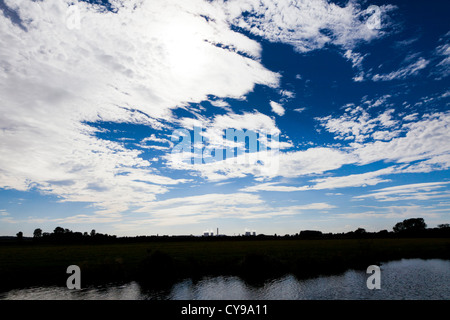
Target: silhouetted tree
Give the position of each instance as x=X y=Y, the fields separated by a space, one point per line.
x=360 y=231
x=92 y=233
x=410 y=225
x=310 y=234
x=37 y=233
x=58 y=230
x=444 y=225
x=19 y=235
x=399 y=227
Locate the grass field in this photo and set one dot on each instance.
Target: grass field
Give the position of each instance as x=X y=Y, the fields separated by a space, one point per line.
x=157 y=263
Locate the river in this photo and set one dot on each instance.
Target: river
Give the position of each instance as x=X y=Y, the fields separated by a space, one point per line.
x=411 y=279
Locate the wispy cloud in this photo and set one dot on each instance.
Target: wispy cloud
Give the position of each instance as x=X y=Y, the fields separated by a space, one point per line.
x=198 y=209
x=354 y=180
x=397 y=212
x=416 y=191
x=272 y=186
x=3 y=213
x=356 y=59
x=300 y=110
x=404 y=72
x=442 y=52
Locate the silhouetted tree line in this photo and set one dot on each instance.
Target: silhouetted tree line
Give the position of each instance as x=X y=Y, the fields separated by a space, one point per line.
x=61 y=235
x=414 y=227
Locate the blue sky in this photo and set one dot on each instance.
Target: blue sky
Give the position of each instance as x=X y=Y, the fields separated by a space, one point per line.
x=115 y=115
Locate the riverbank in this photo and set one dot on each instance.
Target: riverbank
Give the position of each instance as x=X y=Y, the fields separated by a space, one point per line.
x=157 y=264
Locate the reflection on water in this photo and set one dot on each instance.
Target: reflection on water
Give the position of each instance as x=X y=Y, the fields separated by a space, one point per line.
x=405 y=279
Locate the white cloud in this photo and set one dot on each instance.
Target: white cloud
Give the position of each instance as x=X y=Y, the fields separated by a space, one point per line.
x=149 y=58
x=154 y=138
x=287 y=94
x=300 y=110
x=262 y=157
x=221 y=104
x=416 y=191
x=356 y=59
x=442 y=69
x=404 y=72
x=444 y=64
x=134 y=66
x=253 y=121
x=201 y=208
x=312 y=161
x=381 y=101
x=277 y=108
x=265 y=164
x=410 y=117
x=256 y=125
x=8 y=219
x=445 y=94
x=3 y=213
x=393 y=212
x=149 y=143
x=272 y=186
x=306 y=25
x=385 y=135
x=354 y=180
x=436 y=163
x=357 y=124
x=424 y=139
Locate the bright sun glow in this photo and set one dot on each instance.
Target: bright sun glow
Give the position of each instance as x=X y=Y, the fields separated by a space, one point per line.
x=186 y=55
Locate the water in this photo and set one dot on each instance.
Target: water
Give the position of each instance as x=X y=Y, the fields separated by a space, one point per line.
x=411 y=279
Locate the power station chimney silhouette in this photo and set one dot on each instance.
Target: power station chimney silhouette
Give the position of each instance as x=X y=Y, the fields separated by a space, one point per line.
x=217 y=231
